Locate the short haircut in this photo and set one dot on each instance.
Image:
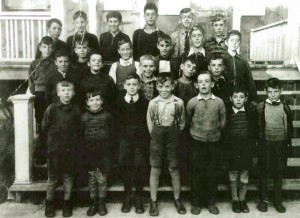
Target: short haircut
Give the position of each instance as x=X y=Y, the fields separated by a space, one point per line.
x=192 y=59
x=53 y=20
x=92 y=93
x=114 y=14
x=133 y=76
x=61 y=53
x=274 y=83
x=234 y=33
x=79 y=14
x=46 y=40
x=164 y=77
x=65 y=83
x=124 y=41
x=93 y=52
x=214 y=56
x=164 y=37
x=218 y=17
x=81 y=41
x=237 y=89
x=185 y=10
x=197 y=27
x=150 y=6
x=148 y=58
x=205 y=72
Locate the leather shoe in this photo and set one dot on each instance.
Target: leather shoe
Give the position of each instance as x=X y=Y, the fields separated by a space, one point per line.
x=67 y=209
x=236 y=206
x=262 y=206
x=195 y=210
x=102 y=210
x=213 y=209
x=139 y=207
x=126 y=207
x=92 y=209
x=49 y=209
x=179 y=206
x=279 y=207
x=153 y=209
x=244 y=207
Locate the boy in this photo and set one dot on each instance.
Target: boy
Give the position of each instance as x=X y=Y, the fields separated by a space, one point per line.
x=97 y=124
x=95 y=79
x=80 y=22
x=82 y=50
x=165 y=63
x=180 y=38
x=275 y=130
x=237 y=68
x=62 y=61
x=54 y=30
x=148 y=80
x=216 y=68
x=196 y=50
x=165 y=120
x=217 y=42
x=145 y=40
x=240 y=139
x=61 y=124
x=207 y=116
x=131 y=111
x=109 y=40
x=125 y=66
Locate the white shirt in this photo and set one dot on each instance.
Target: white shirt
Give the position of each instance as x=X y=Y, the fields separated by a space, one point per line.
x=128 y=98
x=62 y=73
x=192 y=51
x=199 y=97
x=235 y=110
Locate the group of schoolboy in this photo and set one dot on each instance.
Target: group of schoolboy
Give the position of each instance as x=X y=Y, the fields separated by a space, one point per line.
x=177 y=106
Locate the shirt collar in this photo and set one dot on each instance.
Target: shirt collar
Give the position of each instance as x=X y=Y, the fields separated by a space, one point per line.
x=171 y=99
x=126 y=62
x=235 y=110
x=63 y=74
x=147 y=80
x=199 y=97
x=151 y=32
x=114 y=35
x=192 y=51
x=128 y=97
x=270 y=102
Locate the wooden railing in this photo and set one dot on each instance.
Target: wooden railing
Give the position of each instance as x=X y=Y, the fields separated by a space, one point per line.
x=20 y=36
x=267 y=43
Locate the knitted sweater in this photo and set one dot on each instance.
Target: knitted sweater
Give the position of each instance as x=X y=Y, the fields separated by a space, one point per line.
x=275 y=123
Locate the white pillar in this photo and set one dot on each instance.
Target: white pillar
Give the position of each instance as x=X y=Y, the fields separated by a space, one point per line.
x=92 y=14
x=23 y=120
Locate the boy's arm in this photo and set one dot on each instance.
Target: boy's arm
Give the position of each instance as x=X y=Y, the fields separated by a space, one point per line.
x=46 y=122
x=112 y=72
x=222 y=115
x=135 y=42
x=149 y=116
x=182 y=115
x=94 y=42
x=251 y=84
x=30 y=79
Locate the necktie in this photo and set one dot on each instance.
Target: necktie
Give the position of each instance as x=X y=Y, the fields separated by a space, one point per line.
x=186 y=42
x=131 y=101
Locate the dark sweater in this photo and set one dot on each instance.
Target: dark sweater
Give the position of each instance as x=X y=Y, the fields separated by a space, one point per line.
x=185 y=91
x=82 y=68
x=91 y=38
x=212 y=45
x=221 y=89
x=201 y=64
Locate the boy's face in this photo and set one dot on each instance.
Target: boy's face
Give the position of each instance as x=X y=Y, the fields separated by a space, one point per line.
x=147 y=67
x=273 y=94
x=197 y=38
x=132 y=86
x=80 y=24
x=150 y=17
x=164 y=48
x=95 y=62
x=62 y=63
x=65 y=93
x=233 y=42
x=219 y=27
x=238 y=99
x=216 y=67
x=46 y=50
x=186 y=19
x=204 y=84
x=94 y=103
x=54 y=30
x=165 y=89
x=113 y=24
x=188 y=69
x=81 y=50
x=125 y=51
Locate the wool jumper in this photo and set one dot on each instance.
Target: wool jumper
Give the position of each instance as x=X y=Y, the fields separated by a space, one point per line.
x=275 y=130
x=122 y=72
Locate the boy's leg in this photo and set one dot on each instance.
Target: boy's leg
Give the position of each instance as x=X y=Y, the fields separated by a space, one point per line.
x=154 y=180
x=244 y=179
x=233 y=177
x=93 y=186
x=102 y=187
x=68 y=186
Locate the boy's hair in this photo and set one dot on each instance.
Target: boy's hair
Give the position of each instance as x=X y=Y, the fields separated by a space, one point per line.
x=192 y=59
x=214 y=56
x=61 y=53
x=147 y=57
x=114 y=14
x=236 y=89
x=151 y=6
x=197 y=27
x=64 y=83
x=47 y=40
x=217 y=18
x=164 y=37
x=80 y=41
x=233 y=33
x=123 y=41
x=185 y=10
x=93 y=52
x=53 y=20
x=205 y=72
x=133 y=76
x=274 y=83
x=92 y=93
x=79 y=14
x=164 y=77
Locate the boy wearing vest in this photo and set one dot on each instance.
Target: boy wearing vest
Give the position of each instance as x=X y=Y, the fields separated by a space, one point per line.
x=275 y=130
x=165 y=120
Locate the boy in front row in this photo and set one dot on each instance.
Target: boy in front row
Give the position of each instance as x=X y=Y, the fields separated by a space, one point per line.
x=165 y=120
x=61 y=123
x=275 y=130
x=207 y=116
